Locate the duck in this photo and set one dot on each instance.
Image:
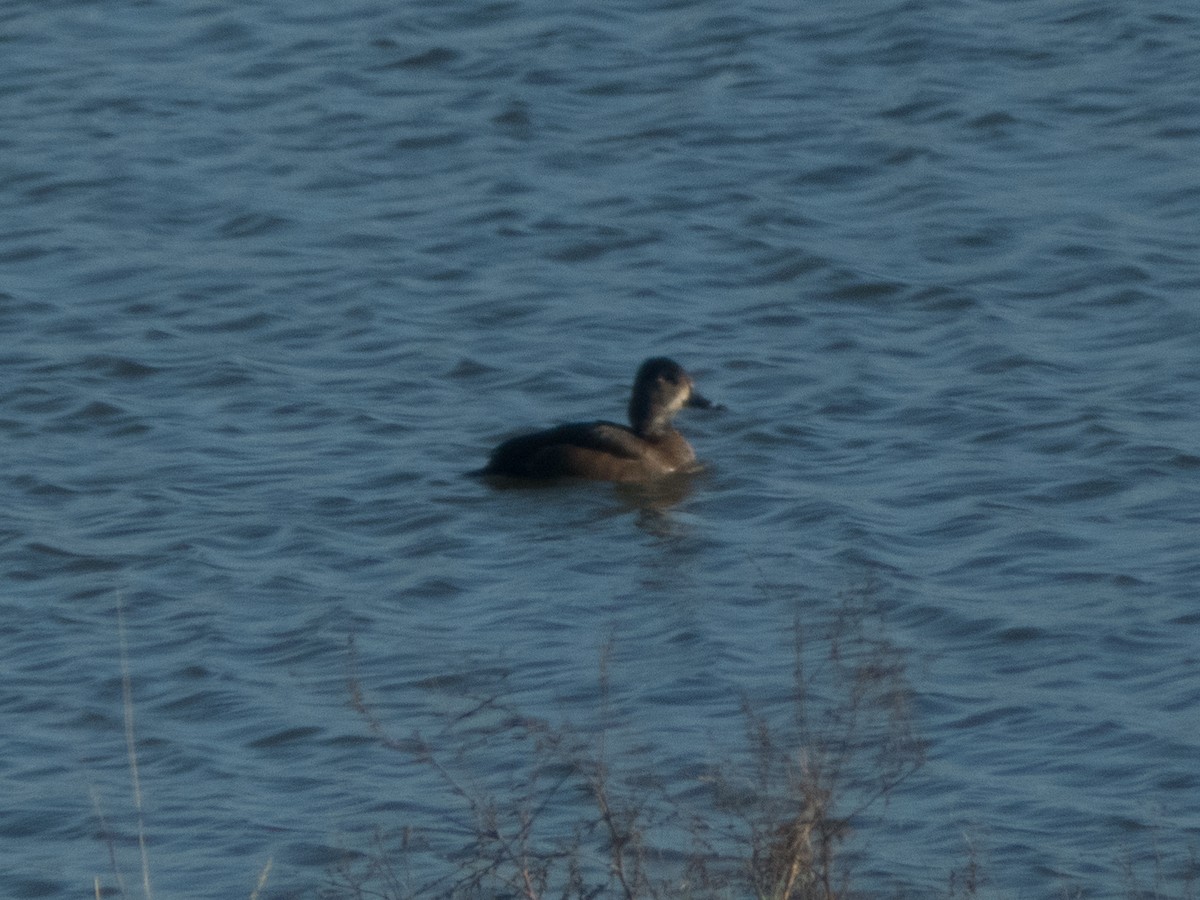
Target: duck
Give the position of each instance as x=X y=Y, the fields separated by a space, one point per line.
x=648 y=448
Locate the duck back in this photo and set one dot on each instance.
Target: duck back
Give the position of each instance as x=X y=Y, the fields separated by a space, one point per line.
x=598 y=450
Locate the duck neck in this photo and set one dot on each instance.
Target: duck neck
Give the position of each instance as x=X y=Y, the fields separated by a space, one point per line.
x=647 y=421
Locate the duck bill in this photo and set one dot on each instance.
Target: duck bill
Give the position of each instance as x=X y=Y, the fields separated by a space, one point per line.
x=697 y=400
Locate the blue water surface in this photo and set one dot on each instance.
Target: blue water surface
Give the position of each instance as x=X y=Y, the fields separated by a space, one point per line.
x=273 y=277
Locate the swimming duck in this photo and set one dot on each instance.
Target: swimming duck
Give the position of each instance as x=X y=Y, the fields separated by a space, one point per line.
x=606 y=451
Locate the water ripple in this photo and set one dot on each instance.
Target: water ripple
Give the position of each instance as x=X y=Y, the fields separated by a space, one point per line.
x=273 y=284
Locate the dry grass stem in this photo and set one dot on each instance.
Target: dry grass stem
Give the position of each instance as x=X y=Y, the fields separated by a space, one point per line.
x=132 y=761
x=131 y=748
x=262 y=879
x=846 y=745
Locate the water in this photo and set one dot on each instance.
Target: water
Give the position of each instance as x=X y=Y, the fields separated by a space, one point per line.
x=273 y=277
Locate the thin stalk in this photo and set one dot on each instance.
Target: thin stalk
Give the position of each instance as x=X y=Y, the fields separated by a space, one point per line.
x=131 y=748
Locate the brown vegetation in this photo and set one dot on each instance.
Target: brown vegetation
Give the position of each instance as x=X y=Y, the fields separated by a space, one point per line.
x=771 y=825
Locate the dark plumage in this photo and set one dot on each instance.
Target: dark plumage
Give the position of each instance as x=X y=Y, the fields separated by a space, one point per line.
x=606 y=451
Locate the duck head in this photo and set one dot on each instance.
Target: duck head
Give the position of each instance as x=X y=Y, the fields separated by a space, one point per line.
x=661 y=389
